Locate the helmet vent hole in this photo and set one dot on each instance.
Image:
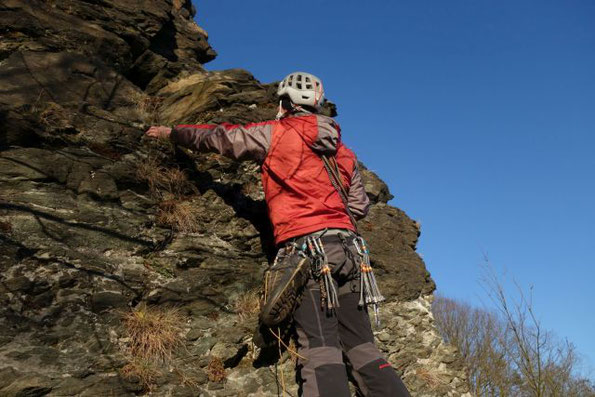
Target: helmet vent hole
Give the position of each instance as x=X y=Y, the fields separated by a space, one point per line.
x=299 y=86
x=305 y=97
x=309 y=86
x=307 y=79
x=299 y=77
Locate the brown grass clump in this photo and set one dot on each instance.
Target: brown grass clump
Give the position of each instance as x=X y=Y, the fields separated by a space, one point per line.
x=53 y=115
x=173 y=187
x=179 y=215
x=148 y=108
x=154 y=333
x=247 y=305
x=164 y=181
x=216 y=370
x=142 y=369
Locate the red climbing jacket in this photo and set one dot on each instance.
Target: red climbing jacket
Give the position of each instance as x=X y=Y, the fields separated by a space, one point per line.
x=297 y=189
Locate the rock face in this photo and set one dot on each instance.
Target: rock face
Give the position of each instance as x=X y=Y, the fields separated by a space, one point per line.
x=97 y=221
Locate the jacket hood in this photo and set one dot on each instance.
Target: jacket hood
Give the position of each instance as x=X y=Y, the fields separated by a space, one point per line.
x=327 y=138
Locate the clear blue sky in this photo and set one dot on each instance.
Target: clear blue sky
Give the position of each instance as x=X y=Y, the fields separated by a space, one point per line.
x=480 y=116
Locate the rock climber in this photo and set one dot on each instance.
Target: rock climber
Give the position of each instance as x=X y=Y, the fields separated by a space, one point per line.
x=303 y=204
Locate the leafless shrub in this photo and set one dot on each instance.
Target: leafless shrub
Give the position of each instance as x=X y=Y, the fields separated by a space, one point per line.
x=507 y=350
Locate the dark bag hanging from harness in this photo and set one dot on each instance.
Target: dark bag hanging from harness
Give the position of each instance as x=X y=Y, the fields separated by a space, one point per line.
x=283 y=284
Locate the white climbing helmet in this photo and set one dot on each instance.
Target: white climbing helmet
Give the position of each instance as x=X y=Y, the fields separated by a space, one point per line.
x=303 y=89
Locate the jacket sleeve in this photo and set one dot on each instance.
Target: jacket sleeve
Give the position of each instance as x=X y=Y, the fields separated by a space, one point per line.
x=239 y=142
x=357 y=200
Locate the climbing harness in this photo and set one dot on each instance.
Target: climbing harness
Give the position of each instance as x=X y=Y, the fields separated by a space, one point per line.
x=321 y=271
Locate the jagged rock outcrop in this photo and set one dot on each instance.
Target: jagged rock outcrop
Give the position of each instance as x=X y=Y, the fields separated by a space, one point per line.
x=96 y=220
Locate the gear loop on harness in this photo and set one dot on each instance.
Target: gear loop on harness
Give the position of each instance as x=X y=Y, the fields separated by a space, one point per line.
x=321 y=271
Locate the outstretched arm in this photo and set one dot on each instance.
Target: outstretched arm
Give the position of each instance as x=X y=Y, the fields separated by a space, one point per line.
x=239 y=142
x=357 y=200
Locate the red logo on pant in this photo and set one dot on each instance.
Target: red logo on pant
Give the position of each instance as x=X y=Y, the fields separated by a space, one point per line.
x=383 y=366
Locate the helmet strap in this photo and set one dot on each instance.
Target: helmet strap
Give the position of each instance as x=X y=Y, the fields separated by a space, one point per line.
x=287 y=107
x=281 y=111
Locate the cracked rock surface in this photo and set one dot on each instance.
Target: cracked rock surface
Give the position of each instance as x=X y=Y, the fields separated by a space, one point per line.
x=90 y=232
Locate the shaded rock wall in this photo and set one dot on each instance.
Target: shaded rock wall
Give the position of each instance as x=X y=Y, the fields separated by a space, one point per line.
x=89 y=230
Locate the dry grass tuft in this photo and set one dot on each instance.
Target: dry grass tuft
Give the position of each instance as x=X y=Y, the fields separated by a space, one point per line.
x=247 y=305
x=179 y=215
x=53 y=115
x=148 y=108
x=172 y=186
x=433 y=379
x=142 y=369
x=216 y=370
x=164 y=181
x=154 y=333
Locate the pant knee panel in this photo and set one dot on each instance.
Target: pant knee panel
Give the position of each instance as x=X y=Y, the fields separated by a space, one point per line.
x=332 y=381
x=363 y=354
x=319 y=364
x=381 y=380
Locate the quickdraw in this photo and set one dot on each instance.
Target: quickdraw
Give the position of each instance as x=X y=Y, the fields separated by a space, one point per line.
x=321 y=271
x=369 y=292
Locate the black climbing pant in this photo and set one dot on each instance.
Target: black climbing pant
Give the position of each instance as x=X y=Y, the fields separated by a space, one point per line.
x=333 y=344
